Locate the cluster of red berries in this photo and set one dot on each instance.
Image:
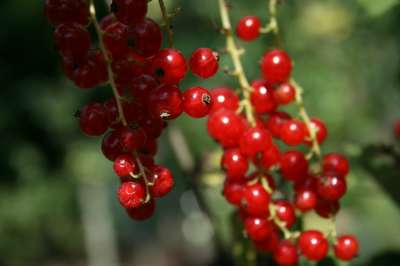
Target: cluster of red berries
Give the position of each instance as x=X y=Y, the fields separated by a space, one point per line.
x=145 y=79
x=259 y=152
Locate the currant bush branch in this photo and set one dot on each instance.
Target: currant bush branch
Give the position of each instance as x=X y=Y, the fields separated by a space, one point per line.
x=272 y=25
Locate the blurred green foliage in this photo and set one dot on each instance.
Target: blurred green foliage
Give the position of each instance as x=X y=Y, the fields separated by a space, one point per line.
x=346 y=57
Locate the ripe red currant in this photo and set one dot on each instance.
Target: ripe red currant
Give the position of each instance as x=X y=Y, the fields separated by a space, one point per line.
x=248 y=28
x=270 y=244
x=131 y=194
x=331 y=187
x=143 y=212
x=313 y=245
x=275 y=121
x=233 y=192
x=204 y=62
x=286 y=254
x=320 y=129
x=294 y=166
x=305 y=200
x=293 y=132
x=285 y=93
x=276 y=66
x=254 y=140
x=346 y=247
x=255 y=200
x=152 y=125
x=336 y=163
x=66 y=11
x=145 y=37
x=142 y=86
x=125 y=70
x=129 y=12
x=166 y=102
x=93 y=119
x=258 y=228
x=262 y=97
x=132 y=138
x=269 y=157
x=327 y=208
x=168 y=66
x=224 y=97
x=197 y=102
x=162 y=181
x=235 y=164
x=285 y=212
x=115 y=39
x=107 y=21
x=124 y=165
x=111 y=145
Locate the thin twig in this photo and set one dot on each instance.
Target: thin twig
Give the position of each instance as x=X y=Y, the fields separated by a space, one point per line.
x=167 y=21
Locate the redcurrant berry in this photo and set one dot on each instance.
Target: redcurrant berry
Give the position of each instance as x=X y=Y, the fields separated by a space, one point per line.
x=294 y=166
x=197 y=102
x=258 y=228
x=275 y=121
x=320 y=129
x=269 y=157
x=255 y=140
x=284 y=93
x=305 y=200
x=336 y=163
x=204 y=62
x=235 y=164
x=153 y=126
x=293 y=132
x=111 y=145
x=162 y=181
x=276 y=66
x=115 y=39
x=346 y=247
x=92 y=72
x=313 y=245
x=166 y=102
x=66 y=11
x=224 y=97
x=143 y=212
x=93 y=119
x=131 y=194
x=168 y=66
x=129 y=12
x=262 y=97
x=286 y=254
x=255 y=200
x=233 y=192
x=326 y=208
x=145 y=37
x=270 y=244
x=124 y=165
x=285 y=212
x=331 y=187
x=248 y=28
x=132 y=138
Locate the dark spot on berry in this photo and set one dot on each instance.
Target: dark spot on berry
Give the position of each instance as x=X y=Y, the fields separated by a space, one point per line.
x=77 y=114
x=160 y=72
x=114 y=7
x=75 y=66
x=206 y=99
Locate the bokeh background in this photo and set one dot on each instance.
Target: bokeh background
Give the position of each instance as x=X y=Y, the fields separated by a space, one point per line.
x=57 y=192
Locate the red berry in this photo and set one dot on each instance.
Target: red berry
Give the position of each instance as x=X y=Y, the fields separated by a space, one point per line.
x=270 y=244
x=131 y=194
x=166 y=102
x=197 y=102
x=128 y=11
x=72 y=41
x=115 y=39
x=153 y=126
x=248 y=28
x=233 y=192
x=313 y=245
x=124 y=165
x=255 y=200
x=276 y=66
x=150 y=148
x=336 y=163
x=286 y=254
x=224 y=97
x=331 y=187
x=107 y=21
x=396 y=129
x=258 y=228
x=132 y=138
x=320 y=129
x=294 y=166
x=226 y=127
x=112 y=111
x=269 y=157
x=162 y=180
x=66 y=11
x=168 y=66
x=143 y=212
x=204 y=62
x=293 y=132
x=235 y=164
x=254 y=140
x=262 y=97
x=326 y=208
x=346 y=247
x=145 y=37
x=125 y=71
x=275 y=121
x=285 y=212
x=93 y=119
x=111 y=145
x=284 y=94
x=305 y=200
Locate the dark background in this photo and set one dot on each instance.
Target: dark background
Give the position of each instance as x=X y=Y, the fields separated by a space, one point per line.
x=57 y=192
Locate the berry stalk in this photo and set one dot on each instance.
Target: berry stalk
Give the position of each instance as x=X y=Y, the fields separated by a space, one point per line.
x=167 y=21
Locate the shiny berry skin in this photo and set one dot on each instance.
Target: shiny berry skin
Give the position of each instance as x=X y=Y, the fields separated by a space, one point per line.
x=248 y=28
x=107 y=21
x=294 y=166
x=93 y=119
x=233 y=192
x=152 y=125
x=168 y=66
x=226 y=127
x=320 y=129
x=285 y=254
x=396 y=129
x=262 y=97
x=313 y=245
x=145 y=37
x=276 y=66
x=224 y=97
x=124 y=165
x=72 y=41
x=254 y=140
x=131 y=194
x=162 y=180
x=285 y=212
x=128 y=11
x=115 y=39
x=284 y=94
x=204 y=62
x=275 y=121
x=132 y=138
x=258 y=228
x=326 y=208
x=269 y=157
x=143 y=212
x=336 y=163
x=142 y=86
x=125 y=71
x=255 y=200
x=305 y=200
x=293 y=132
x=150 y=148
x=166 y=102
x=346 y=247
x=197 y=102
x=331 y=187
x=111 y=145
x=270 y=244
x=235 y=164
x=67 y=11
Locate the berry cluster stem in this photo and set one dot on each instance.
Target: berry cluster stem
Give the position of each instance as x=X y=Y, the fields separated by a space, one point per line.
x=117 y=96
x=167 y=21
x=235 y=54
x=272 y=25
